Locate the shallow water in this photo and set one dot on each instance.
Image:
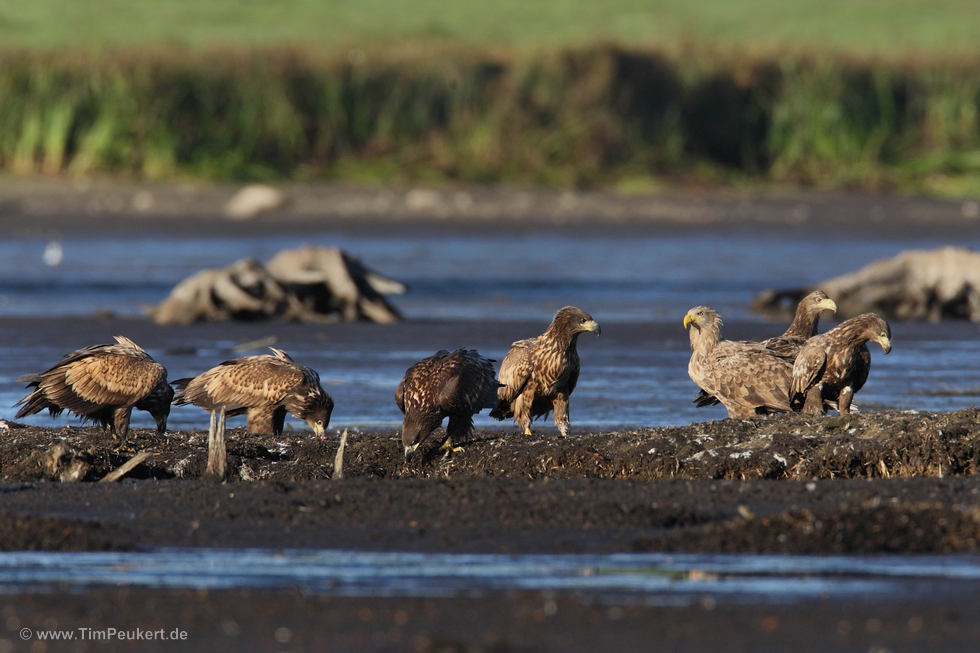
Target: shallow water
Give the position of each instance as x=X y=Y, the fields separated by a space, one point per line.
x=652 y=578
x=483 y=280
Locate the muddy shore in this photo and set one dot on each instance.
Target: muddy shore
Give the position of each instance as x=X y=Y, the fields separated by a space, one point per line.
x=868 y=483
x=878 y=482
x=52 y=208
x=263 y=620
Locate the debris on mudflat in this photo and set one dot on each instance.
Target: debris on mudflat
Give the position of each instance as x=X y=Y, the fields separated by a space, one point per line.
x=892 y=444
x=933 y=285
x=309 y=284
x=60 y=462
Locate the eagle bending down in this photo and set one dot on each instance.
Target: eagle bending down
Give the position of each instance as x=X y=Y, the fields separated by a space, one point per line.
x=456 y=385
x=264 y=387
x=746 y=377
x=102 y=384
x=833 y=366
x=803 y=327
x=539 y=374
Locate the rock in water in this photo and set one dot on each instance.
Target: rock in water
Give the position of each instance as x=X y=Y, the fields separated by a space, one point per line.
x=933 y=285
x=309 y=284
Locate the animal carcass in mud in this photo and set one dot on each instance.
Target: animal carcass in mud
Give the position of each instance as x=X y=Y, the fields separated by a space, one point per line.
x=59 y=462
x=309 y=284
x=933 y=285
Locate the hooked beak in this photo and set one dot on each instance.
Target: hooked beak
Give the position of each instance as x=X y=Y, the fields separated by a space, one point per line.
x=828 y=305
x=689 y=320
x=409 y=451
x=886 y=344
x=593 y=326
x=318 y=429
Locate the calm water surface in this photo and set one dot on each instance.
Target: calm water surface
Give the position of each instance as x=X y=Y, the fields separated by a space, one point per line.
x=653 y=578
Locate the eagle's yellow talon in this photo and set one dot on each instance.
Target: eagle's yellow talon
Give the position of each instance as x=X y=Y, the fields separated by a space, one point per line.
x=448 y=448
x=527 y=430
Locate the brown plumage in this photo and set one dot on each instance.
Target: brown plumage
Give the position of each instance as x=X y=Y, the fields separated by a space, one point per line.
x=804 y=326
x=264 y=387
x=456 y=385
x=835 y=365
x=102 y=384
x=539 y=374
x=746 y=377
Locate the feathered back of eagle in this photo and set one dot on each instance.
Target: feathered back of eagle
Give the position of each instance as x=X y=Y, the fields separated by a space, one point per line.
x=95 y=378
x=248 y=381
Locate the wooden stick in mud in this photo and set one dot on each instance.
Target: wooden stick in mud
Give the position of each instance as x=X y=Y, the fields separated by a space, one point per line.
x=125 y=468
x=338 y=461
x=217 y=452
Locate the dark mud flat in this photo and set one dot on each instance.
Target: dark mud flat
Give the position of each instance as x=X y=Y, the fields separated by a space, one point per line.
x=292 y=621
x=869 y=483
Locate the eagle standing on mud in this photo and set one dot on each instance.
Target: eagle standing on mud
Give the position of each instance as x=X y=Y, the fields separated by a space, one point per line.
x=746 y=377
x=264 y=387
x=457 y=385
x=835 y=365
x=102 y=384
x=539 y=374
x=804 y=326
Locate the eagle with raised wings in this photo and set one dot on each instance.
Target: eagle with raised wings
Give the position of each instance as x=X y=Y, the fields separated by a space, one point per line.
x=804 y=326
x=102 y=384
x=746 y=377
x=456 y=385
x=539 y=374
x=263 y=387
x=832 y=367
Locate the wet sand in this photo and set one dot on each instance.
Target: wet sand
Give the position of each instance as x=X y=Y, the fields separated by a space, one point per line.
x=874 y=483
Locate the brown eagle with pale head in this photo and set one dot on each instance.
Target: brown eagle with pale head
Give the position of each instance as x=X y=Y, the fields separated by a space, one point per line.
x=804 y=326
x=102 y=384
x=264 y=387
x=835 y=365
x=746 y=377
x=539 y=374
x=456 y=385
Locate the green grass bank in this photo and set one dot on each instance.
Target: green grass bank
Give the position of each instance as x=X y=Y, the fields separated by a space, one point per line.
x=580 y=116
x=881 y=27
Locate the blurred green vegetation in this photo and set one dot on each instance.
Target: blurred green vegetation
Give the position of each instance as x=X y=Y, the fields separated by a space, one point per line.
x=855 y=26
x=837 y=94
x=599 y=115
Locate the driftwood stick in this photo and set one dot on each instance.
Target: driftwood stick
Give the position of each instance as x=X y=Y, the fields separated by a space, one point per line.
x=217 y=451
x=126 y=467
x=338 y=461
